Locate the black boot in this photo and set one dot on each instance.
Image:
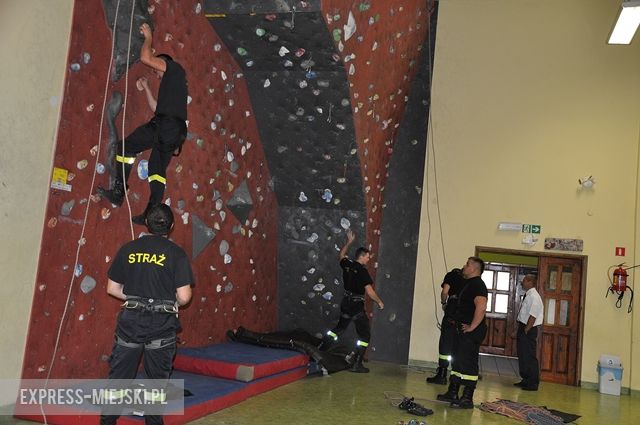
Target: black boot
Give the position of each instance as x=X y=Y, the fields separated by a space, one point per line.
x=440 y=377
x=357 y=365
x=466 y=401
x=452 y=393
x=115 y=195
x=142 y=218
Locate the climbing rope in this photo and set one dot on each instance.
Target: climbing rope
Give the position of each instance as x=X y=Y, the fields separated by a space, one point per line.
x=82 y=239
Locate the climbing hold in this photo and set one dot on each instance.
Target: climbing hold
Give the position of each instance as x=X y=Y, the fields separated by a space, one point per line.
x=82 y=164
x=224 y=247
x=67 y=207
x=105 y=213
x=345 y=223
x=337 y=35
x=302 y=197
x=88 y=284
x=283 y=51
x=349 y=27
x=78 y=270
x=143 y=169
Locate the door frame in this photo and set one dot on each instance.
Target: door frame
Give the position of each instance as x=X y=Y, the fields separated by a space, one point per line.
x=583 y=283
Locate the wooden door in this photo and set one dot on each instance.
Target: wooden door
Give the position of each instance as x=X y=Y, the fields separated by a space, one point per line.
x=559 y=285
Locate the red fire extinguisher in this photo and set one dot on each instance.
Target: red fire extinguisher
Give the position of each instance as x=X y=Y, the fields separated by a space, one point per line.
x=619 y=285
x=619 y=280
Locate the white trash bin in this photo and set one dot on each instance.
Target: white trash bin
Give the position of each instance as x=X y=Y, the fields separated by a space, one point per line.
x=609 y=374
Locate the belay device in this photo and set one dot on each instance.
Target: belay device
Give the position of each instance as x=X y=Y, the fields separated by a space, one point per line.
x=619 y=285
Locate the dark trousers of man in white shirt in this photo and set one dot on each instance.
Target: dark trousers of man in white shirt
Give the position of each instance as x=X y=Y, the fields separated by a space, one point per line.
x=527 y=360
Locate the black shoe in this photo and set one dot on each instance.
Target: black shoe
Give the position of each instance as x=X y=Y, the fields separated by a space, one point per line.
x=115 y=195
x=463 y=403
x=439 y=378
x=466 y=400
x=359 y=368
x=414 y=408
x=139 y=219
x=142 y=218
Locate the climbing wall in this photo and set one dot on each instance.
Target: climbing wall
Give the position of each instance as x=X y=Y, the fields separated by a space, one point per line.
x=219 y=188
x=294 y=114
x=329 y=82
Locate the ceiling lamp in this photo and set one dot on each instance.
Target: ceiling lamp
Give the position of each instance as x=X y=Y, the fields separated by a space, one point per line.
x=627 y=23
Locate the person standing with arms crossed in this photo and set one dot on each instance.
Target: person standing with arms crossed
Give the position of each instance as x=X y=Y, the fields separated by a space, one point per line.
x=153 y=276
x=471 y=330
x=529 y=321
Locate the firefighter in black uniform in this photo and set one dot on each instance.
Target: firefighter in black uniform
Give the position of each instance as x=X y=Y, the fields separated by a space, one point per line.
x=357 y=282
x=471 y=330
x=451 y=285
x=164 y=134
x=152 y=275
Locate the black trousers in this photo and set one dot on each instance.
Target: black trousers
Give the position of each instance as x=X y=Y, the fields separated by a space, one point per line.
x=466 y=353
x=445 y=344
x=351 y=310
x=125 y=360
x=163 y=136
x=527 y=360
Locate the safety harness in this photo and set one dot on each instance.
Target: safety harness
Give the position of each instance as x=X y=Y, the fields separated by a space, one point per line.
x=150 y=305
x=175 y=148
x=352 y=296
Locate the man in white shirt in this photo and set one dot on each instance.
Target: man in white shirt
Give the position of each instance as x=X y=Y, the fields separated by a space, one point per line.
x=529 y=320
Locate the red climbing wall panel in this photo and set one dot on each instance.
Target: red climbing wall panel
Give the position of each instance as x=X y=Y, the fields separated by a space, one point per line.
x=381 y=60
x=228 y=294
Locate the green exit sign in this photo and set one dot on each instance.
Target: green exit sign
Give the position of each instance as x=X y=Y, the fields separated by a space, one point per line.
x=531 y=228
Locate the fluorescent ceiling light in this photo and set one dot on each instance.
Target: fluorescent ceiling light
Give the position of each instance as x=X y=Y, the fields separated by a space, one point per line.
x=627 y=23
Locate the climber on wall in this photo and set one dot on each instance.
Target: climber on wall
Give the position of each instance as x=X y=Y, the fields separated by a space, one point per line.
x=163 y=134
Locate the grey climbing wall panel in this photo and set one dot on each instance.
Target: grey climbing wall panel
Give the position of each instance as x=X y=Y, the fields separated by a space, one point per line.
x=140 y=15
x=300 y=96
x=401 y=220
x=202 y=235
x=310 y=281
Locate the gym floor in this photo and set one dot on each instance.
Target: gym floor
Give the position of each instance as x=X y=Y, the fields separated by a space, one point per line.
x=360 y=399
x=368 y=399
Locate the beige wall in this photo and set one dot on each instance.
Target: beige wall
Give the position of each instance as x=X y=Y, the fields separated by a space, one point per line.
x=34 y=39
x=527 y=98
